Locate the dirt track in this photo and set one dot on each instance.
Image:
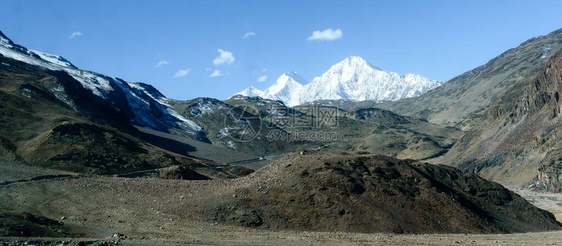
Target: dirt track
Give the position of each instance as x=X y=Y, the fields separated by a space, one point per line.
x=206 y=234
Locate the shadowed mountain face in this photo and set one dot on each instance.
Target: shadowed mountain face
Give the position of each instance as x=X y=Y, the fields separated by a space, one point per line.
x=462 y=101
x=518 y=140
x=368 y=193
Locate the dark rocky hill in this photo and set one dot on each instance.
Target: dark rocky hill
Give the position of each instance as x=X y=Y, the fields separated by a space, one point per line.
x=370 y=193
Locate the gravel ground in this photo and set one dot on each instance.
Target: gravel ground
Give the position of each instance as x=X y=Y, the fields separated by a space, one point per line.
x=549 y=201
x=144 y=211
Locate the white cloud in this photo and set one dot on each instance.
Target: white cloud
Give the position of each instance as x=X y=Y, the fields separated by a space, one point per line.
x=216 y=73
x=326 y=35
x=224 y=57
x=162 y=63
x=248 y=35
x=262 y=78
x=75 y=34
x=182 y=72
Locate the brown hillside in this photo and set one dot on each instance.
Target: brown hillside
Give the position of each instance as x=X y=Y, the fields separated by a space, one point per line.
x=370 y=193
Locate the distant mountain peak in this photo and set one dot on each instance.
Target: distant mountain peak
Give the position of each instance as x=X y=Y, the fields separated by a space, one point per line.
x=250 y=92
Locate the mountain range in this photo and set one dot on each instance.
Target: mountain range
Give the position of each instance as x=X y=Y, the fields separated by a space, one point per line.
x=352 y=79
x=79 y=145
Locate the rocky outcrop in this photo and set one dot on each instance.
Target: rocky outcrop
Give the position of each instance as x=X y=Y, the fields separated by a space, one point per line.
x=463 y=100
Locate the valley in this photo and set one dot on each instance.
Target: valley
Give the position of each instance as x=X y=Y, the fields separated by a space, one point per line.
x=357 y=156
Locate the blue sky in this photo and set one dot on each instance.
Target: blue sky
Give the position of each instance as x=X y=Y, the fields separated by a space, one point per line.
x=128 y=39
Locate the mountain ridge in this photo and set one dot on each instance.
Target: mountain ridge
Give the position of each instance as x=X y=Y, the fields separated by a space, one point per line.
x=516 y=143
x=461 y=101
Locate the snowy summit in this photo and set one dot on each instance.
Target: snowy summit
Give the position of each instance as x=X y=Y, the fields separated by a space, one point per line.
x=352 y=79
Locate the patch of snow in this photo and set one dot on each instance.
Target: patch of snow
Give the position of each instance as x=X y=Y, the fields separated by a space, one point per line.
x=545 y=51
x=231 y=145
x=224 y=132
x=205 y=106
x=97 y=84
x=7 y=52
x=59 y=92
x=5 y=41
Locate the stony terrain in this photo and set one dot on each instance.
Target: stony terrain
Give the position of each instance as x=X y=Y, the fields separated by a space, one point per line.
x=517 y=143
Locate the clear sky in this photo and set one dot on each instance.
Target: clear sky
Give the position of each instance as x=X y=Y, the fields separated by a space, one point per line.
x=174 y=45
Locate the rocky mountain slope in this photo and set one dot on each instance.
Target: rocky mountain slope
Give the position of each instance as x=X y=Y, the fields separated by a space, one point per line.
x=517 y=141
x=280 y=130
x=462 y=101
x=40 y=129
x=352 y=79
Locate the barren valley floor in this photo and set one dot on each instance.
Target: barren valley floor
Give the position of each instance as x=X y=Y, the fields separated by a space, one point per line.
x=94 y=210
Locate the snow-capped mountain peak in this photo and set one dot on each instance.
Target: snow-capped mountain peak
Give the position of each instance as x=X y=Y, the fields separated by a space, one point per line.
x=353 y=63
x=351 y=79
x=287 y=88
